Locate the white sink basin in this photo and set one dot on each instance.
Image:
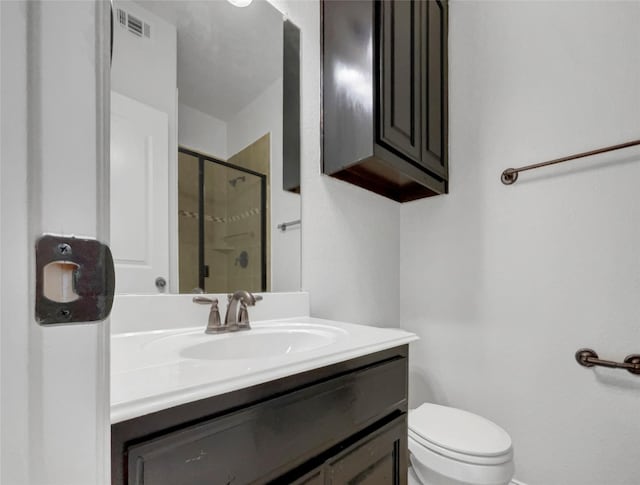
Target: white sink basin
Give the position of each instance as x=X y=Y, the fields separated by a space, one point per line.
x=157 y=369
x=268 y=340
x=261 y=343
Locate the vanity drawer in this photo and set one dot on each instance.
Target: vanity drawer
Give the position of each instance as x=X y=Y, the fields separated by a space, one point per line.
x=263 y=441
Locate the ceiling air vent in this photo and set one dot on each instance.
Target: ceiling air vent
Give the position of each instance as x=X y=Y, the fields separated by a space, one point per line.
x=133 y=24
x=122 y=17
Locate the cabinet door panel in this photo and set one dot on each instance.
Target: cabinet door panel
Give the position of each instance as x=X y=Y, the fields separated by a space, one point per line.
x=434 y=86
x=400 y=65
x=378 y=459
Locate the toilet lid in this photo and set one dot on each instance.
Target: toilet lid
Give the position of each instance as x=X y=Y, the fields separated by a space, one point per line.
x=459 y=431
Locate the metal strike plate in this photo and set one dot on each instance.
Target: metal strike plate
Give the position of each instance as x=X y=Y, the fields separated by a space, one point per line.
x=75 y=280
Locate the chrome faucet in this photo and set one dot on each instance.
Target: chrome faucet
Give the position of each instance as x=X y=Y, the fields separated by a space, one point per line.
x=213 y=325
x=239 y=319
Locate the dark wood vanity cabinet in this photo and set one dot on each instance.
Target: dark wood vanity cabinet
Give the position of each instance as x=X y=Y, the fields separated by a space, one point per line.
x=375 y=459
x=344 y=423
x=384 y=69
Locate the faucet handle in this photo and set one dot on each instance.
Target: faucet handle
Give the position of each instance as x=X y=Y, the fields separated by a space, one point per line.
x=214 y=324
x=244 y=297
x=203 y=300
x=243 y=314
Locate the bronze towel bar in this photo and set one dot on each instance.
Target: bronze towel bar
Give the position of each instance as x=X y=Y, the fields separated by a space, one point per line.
x=589 y=358
x=510 y=175
x=284 y=225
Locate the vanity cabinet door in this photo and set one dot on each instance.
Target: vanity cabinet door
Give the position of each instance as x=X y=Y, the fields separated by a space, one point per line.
x=316 y=477
x=378 y=459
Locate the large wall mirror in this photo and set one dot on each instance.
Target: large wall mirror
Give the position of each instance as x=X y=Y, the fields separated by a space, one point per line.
x=205 y=143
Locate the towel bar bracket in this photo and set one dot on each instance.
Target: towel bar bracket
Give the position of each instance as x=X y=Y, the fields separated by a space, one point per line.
x=509 y=176
x=589 y=358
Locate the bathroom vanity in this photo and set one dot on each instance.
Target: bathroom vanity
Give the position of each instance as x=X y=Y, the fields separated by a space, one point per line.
x=299 y=400
x=340 y=423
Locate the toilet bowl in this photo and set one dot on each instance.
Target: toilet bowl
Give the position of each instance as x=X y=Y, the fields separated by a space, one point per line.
x=448 y=446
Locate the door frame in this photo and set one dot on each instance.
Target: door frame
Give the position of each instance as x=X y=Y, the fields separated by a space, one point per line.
x=54 y=380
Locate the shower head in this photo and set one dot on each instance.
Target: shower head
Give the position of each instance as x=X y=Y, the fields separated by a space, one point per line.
x=234 y=181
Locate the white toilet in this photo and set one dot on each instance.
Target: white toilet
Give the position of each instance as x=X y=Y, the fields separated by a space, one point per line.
x=448 y=446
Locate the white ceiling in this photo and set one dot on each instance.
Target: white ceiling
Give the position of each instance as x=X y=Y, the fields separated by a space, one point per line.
x=226 y=55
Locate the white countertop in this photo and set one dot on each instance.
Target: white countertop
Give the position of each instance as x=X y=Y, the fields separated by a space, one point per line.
x=150 y=372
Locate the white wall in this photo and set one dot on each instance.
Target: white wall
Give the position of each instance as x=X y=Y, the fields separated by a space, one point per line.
x=202 y=132
x=350 y=237
x=504 y=284
x=145 y=69
x=261 y=116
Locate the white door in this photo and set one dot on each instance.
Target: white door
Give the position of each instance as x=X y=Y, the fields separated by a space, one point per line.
x=54 y=174
x=139 y=195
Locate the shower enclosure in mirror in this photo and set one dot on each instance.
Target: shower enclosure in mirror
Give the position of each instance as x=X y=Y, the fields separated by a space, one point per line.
x=204 y=147
x=222 y=222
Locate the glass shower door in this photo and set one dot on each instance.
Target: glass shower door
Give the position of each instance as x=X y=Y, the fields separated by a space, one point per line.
x=234 y=209
x=222 y=226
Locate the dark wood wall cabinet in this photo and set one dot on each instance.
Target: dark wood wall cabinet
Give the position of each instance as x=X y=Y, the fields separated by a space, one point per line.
x=344 y=423
x=384 y=104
